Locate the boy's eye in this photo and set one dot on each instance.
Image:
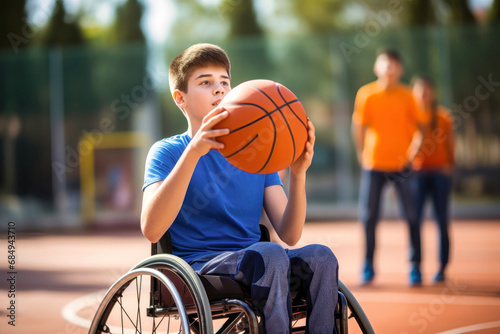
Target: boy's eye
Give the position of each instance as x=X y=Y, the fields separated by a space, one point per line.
x=206 y=82
x=225 y=83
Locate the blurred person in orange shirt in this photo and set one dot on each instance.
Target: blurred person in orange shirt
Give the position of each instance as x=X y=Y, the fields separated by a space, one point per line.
x=434 y=164
x=387 y=134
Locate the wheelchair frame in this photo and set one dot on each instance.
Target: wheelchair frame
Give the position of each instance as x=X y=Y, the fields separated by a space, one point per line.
x=184 y=297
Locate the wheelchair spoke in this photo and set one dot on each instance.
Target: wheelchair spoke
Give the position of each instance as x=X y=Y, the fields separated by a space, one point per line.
x=138 y=287
x=130 y=319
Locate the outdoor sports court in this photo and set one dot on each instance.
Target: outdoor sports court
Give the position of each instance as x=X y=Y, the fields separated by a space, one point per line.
x=60 y=277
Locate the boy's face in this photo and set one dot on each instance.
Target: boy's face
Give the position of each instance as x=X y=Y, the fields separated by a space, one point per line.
x=205 y=89
x=387 y=68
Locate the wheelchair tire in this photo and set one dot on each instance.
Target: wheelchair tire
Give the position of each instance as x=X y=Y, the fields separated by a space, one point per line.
x=356 y=311
x=123 y=306
x=159 y=267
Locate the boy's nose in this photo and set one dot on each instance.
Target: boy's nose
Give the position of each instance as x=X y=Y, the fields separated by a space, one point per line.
x=219 y=89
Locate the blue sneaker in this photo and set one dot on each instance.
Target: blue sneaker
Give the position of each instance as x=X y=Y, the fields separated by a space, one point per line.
x=368 y=273
x=415 y=277
x=440 y=277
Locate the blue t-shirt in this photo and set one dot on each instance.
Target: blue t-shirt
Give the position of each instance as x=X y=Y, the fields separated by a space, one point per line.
x=222 y=207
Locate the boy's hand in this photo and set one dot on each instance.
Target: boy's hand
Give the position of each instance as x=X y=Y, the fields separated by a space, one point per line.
x=204 y=140
x=304 y=161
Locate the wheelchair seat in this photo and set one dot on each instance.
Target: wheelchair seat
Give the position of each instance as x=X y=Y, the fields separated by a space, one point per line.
x=217 y=287
x=181 y=299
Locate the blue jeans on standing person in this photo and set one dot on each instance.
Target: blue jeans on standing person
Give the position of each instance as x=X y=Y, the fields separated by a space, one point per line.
x=271 y=272
x=372 y=185
x=436 y=185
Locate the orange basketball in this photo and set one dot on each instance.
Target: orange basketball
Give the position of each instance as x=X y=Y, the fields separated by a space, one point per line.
x=268 y=127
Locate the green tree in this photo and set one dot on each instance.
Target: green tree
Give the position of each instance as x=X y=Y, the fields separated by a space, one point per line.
x=420 y=13
x=319 y=15
x=127 y=24
x=61 y=30
x=13 y=24
x=460 y=12
x=494 y=13
x=241 y=16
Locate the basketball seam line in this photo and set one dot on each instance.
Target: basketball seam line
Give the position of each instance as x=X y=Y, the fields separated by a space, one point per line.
x=278 y=108
x=241 y=149
x=286 y=121
x=268 y=113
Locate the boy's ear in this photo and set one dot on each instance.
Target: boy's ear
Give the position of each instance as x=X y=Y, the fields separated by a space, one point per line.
x=179 y=98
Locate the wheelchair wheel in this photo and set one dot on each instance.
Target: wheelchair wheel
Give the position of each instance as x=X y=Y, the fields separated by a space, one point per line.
x=356 y=312
x=130 y=306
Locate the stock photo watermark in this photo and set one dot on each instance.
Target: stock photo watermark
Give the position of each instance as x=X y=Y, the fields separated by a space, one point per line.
x=11 y=274
x=472 y=102
x=122 y=107
x=29 y=28
x=372 y=28
x=459 y=111
x=420 y=319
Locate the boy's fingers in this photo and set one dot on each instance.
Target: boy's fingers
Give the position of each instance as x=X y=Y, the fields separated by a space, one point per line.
x=311 y=133
x=216 y=133
x=215 y=144
x=215 y=116
x=215 y=111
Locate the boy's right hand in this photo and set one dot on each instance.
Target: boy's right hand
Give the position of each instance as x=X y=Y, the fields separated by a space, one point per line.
x=205 y=138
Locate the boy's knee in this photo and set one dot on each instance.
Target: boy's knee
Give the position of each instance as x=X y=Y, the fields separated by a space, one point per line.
x=322 y=257
x=264 y=258
x=272 y=254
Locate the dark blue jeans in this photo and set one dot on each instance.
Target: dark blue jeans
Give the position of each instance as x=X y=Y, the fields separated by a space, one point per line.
x=436 y=185
x=272 y=272
x=372 y=185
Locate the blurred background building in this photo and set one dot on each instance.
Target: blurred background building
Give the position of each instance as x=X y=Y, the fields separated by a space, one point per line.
x=84 y=92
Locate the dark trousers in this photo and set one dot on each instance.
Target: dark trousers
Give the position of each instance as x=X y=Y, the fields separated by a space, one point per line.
x=437 y=186
x=372 y=185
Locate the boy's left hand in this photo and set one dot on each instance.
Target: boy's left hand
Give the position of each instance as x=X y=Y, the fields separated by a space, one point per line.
x=304 y=161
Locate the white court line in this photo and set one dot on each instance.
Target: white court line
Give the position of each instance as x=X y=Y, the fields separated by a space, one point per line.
x=70 y=311
x=485 y=325
x=408 y=298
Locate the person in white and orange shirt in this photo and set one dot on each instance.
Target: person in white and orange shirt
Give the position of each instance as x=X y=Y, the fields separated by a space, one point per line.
x=434 y=164
x=387 y=134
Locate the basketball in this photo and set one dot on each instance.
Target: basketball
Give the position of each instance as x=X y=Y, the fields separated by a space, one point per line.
x=268 y=127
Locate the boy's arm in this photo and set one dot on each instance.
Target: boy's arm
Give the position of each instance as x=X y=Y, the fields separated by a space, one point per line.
x=358 y=133
x=358 y=127
x=288 y=216
x=162 y=201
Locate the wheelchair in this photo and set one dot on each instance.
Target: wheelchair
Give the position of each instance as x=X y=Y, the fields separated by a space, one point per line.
x=163 y=294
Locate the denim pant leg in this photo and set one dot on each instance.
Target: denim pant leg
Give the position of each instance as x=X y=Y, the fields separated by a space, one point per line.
x=421 y=193
x=265 y=268
x=404 y=187
x=372 y=184
x=441 y=188
x=314 y=270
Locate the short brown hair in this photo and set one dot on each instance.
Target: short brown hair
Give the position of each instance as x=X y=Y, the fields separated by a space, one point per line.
x=392 y=54
x=194 y=57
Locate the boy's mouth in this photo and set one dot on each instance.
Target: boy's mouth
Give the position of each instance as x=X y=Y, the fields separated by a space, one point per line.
x=216 y=103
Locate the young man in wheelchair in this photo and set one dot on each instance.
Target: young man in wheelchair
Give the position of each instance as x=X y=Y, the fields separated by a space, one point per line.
x=212 y=209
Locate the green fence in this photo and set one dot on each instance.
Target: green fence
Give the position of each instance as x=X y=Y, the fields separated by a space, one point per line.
x=52 y=101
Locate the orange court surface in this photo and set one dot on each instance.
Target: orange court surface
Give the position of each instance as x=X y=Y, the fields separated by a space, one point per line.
x=56 y=275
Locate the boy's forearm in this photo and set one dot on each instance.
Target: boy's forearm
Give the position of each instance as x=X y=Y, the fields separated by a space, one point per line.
x=162 y=207
x=358 y=136
x=295 y=211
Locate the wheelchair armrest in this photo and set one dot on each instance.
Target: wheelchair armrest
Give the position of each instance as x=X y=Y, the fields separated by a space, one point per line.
x=163 y=246
x=264 y=233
